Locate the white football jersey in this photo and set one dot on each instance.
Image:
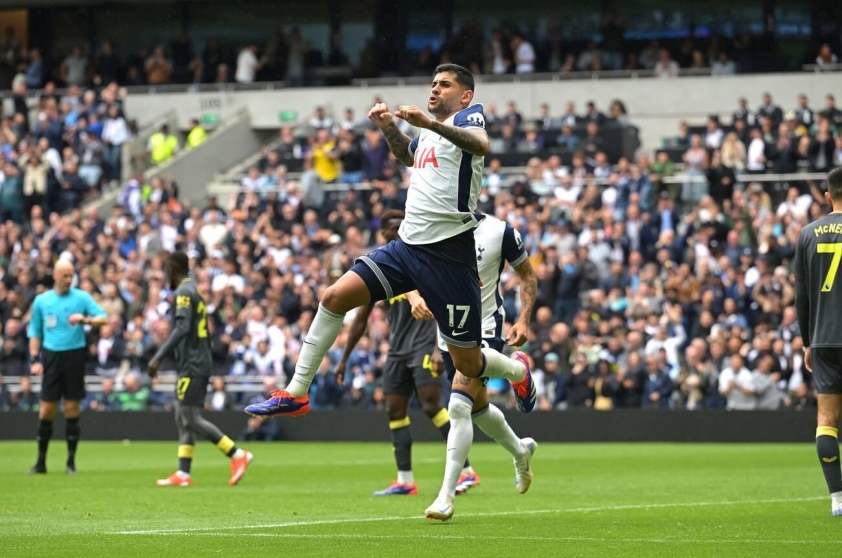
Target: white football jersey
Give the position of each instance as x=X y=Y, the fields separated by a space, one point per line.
x=496 y=242
x=444 y=184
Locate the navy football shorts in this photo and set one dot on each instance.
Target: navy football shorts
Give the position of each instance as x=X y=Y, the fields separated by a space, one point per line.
x=452 y=291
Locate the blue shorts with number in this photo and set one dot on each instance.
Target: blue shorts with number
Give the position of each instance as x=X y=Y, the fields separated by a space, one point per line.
x=451 y=290
x=495 y=344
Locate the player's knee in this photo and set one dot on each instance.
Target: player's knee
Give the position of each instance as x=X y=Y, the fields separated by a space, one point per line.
x=335 y=300
x=395 y=411
x=459 y=407
x=470 y=364
x=431 y=407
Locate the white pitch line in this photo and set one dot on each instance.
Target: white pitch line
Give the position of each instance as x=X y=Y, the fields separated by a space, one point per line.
x=469 y=514
x=554 y=539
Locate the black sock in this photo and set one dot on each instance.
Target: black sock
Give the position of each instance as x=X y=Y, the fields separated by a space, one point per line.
x=402 y=441
x=184 y=464
x=72 y=432
x=45 y=432
x=827 y=446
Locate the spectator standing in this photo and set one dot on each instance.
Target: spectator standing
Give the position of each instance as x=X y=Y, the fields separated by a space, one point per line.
x=248 y=64
x=74 y=68
x=524 y=54
x=162 y=146
x=666 y=66
x=736 y=383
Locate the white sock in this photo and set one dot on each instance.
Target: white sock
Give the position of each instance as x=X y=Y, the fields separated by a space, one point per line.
x=320 y=338
x=836 y=499
x=238 y=454
x=493 y=423
x=499 y=366
x=458 y=442
x=405 y=477
x=468 y=470
x=182 y=475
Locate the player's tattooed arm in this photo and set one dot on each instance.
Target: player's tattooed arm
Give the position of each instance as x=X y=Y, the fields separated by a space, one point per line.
x=398 y=143
x=473 y=141
x=528 y=294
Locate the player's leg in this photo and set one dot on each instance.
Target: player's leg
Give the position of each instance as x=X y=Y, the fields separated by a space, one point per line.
x=396 y=388
x=51 y=393
x=191 y=408
x=73 y=376
x=374 y=277
x=428 y=387
x=46 y=416
x=452 y=293
x=827 y=446
x=458 y=445
x=72 y=432
x=491 y=420
x=186 y=446
x=827 y=377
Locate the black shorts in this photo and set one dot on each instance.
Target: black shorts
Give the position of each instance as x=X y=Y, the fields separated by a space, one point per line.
x=64 y=375
x=827 y=370
x=192 y=390
x=451 y=290
x=403 y=376
x=496 y=344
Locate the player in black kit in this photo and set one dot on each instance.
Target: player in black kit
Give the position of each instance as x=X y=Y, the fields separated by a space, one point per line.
x=818 y=303
x=190 y=342
x=413 y=365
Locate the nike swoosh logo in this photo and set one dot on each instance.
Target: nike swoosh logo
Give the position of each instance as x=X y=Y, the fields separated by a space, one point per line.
x=829 y=459
x=460 y=333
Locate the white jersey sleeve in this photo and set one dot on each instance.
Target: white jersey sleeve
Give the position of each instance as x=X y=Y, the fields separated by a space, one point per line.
x=444 y=184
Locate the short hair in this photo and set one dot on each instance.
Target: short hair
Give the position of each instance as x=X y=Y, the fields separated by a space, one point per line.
x=179 y=262
x=389 y=215
x=834 y=183
x=464 y=77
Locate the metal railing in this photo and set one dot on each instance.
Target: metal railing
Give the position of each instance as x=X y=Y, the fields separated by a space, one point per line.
x=531 y=77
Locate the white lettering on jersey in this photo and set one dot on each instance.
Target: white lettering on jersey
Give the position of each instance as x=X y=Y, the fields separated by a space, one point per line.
x=444 y=184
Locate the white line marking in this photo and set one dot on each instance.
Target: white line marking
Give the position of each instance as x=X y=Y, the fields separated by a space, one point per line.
x=557 y=539
x=469 y=514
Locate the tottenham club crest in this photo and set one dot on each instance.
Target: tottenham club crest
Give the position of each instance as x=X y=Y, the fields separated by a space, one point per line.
x=480 y=250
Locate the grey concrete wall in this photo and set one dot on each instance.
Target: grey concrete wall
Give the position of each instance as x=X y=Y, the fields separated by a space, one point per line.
x=656 y=105
x=193 y=170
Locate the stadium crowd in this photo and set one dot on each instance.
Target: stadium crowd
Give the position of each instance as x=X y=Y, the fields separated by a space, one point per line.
x=68 y=153
x=286 y=55
x=650 y=296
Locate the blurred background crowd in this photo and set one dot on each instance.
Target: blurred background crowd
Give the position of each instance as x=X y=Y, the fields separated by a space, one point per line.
x=664 y=282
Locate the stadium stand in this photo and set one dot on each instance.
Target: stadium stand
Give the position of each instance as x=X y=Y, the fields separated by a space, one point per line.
x=658 y=261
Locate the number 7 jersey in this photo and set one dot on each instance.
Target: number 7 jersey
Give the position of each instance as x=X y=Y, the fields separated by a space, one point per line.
x=193 y=352
x=818 y=283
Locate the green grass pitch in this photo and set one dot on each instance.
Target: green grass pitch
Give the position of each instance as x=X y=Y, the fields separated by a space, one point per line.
x=303 y=500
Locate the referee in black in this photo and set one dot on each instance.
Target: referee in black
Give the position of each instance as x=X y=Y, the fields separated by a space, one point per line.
x=818 y=303
x=58 y=350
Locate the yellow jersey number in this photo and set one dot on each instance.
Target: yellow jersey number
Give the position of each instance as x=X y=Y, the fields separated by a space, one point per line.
x=834 y=248
x=428 y=365
x=181 y=388
x=203 y=320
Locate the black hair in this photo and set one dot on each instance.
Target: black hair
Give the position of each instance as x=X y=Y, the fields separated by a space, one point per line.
x=464 y=77
x=834 y=184
x=179 y=262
